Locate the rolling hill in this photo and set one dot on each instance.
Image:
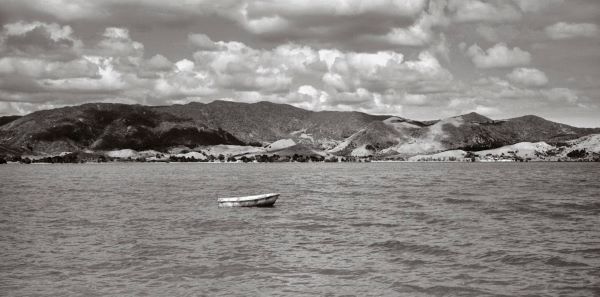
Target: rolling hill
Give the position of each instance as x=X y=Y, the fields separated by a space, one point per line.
x=104 y=126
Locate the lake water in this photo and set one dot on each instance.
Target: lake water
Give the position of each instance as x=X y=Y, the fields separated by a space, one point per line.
x=378 y=229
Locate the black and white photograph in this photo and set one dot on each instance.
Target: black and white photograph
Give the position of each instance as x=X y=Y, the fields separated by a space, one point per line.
x=300 y=148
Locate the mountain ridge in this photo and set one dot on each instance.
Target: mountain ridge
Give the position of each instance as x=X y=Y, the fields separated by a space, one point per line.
x=109 y=126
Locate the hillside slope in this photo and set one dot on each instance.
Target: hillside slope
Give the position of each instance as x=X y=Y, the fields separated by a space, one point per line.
x=266 y=122
x=104 y=126
x=470 y=132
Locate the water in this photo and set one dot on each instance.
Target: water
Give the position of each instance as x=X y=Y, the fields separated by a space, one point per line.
x=386 y=229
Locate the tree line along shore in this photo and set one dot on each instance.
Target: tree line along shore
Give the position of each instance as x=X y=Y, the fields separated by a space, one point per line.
x=86 y=157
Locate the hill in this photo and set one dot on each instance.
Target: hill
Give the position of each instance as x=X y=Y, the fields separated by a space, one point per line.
x=7 y=119
x=266 y=122
x=470 y=132
x=104 y=126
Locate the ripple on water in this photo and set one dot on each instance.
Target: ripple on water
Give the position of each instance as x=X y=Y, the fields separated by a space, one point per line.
x=561 y=262
x=384 y=229
x=460 y=201
x=401 y=246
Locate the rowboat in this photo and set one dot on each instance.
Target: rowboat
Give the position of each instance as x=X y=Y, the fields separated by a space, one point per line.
x=264 y=200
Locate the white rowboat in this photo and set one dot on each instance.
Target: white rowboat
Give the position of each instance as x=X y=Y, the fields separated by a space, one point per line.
x=264 y=200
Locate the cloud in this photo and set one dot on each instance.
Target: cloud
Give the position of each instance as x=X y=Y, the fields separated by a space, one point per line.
x=159 y=63
x=528 y=77
x=114 y=69
x=498 y=56
x=39 y=68
x=414 y=99
x=108 y=79
x=267 y=24
x=421 y=31
x=117 y=42
x=239 y=67
x=483 y=11
x=154 y=67
x=336 y=7
x=536 y=5
x=340 y=23
x=380 y=56
x=156 y=10
x=265 y=21
x=202 y=41
x=185 y=65
x=384 y=70
x=497 y=33
x=486 y=110
x=441 y=47
x=39 y=40
x=496 y=97
x=564 y=30
x=178 y=85
x=416 y=35
x=308 y=97
x=561 y=95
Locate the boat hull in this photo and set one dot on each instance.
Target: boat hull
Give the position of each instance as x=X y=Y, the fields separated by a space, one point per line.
x=251 y=201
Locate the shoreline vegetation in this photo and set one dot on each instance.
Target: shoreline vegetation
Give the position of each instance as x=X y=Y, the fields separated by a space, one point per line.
x=195 y=157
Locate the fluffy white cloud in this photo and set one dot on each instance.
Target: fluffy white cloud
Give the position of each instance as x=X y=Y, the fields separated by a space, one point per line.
x=564 y=30
x=116 y=33
x=39 y=68
x=159 y=63
x=117 y=42
x=185 y=65
x=416 y=35
x=182 y=84
x=108 y=79
x=308 y=97
x=336 y=81
x=382 y=71
x=56 y=31
x=114 y=69
x=239 y=67
x=498 y=56
x=528 y=77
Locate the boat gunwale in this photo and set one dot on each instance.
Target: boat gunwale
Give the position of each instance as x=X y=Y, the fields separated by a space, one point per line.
x=247 y=198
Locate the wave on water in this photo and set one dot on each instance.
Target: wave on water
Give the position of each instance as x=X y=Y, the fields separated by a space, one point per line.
x=590 y=207
x=367 y=224
x=525 y=259
x=155 y=230
x=460 y=201
x=444 y=290
x=590 y=251
x=401 y=246
x=560 y=262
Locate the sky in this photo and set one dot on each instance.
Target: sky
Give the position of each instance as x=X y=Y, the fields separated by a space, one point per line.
x=418 y=59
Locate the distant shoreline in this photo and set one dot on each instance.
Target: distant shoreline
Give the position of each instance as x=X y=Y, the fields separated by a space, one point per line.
x=345 y=162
